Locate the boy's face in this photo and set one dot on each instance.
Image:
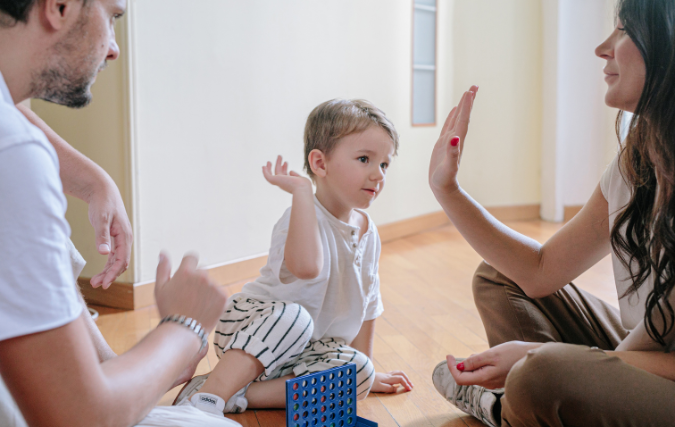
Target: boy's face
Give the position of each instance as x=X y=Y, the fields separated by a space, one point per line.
x=357 y=167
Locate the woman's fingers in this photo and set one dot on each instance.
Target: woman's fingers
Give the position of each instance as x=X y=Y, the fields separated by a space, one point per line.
x=449 y=121
x=464 y=114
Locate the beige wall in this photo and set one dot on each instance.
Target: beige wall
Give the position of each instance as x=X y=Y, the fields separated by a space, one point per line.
x=497 y=45
x=100 y=132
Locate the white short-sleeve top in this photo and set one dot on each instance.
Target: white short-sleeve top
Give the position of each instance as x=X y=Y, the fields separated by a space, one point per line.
x=346 y=292
x=618 y=194
x=36 y=278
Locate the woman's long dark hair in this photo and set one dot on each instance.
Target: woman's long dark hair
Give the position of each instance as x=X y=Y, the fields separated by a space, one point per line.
x=643 y=235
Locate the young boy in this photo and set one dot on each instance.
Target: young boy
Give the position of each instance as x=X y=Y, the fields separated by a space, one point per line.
x=315 y=304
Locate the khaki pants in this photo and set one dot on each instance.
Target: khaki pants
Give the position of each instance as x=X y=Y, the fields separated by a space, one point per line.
x=566 y=383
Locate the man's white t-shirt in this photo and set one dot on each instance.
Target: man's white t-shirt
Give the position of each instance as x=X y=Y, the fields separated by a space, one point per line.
x=347 y=291
x=36 y=278
x=618 y=194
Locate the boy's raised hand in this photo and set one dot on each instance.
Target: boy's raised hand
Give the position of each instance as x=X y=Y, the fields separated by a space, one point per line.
x=388 y=382
x=287 y=181
x=447 y=151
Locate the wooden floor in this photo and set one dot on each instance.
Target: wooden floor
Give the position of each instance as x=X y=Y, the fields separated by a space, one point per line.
x=429 y=313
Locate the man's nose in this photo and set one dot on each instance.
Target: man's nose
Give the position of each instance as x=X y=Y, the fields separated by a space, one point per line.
x=113 y=51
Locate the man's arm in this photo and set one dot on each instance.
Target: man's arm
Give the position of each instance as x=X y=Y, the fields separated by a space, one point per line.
x=56 y=379
x=84 y=179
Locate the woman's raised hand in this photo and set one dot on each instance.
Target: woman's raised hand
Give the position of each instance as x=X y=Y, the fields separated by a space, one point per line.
x=282 y=178
x=447 y=151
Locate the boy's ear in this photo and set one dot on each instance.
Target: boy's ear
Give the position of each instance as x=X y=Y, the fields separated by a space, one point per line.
x=317 y=162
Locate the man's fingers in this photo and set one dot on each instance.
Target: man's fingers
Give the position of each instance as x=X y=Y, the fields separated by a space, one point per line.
x=102 y=230
x=189 y=262
x=163 y=271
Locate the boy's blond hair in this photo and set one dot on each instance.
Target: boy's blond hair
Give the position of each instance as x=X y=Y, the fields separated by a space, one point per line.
x=338 y=118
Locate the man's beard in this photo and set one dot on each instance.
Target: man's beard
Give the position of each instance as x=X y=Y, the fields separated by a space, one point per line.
x=60 y=85
x=67 y=78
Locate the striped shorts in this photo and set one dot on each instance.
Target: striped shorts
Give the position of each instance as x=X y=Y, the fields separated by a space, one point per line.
x=279 y=334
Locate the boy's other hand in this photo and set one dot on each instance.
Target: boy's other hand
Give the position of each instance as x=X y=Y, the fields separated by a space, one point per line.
x=290 y=182
x=388 y=382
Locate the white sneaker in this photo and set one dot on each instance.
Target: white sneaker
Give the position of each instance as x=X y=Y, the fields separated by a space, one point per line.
x=474 y=400
x=235 y=405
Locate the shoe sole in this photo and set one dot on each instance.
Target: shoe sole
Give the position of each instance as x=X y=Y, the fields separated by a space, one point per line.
x=189 y=388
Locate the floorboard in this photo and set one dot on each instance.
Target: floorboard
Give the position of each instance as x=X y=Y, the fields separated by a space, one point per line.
x=429 y=313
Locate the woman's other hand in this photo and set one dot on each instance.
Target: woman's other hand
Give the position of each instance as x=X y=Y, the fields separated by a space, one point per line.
x=489 y=368
x=282 y=178
x=446 y=155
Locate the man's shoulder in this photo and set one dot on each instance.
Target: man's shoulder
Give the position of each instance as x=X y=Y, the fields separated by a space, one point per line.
x=16 y=129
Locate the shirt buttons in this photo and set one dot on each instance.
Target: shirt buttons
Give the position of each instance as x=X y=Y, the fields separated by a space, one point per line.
x=354 y=245
x=353 y=232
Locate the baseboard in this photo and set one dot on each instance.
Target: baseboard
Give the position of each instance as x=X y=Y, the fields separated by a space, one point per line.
x=516 y=213
x=233 y=274
x=396 y=230
x=118 y=295
x=570 y=212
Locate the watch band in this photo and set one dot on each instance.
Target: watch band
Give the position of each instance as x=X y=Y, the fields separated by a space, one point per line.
x=189 y=323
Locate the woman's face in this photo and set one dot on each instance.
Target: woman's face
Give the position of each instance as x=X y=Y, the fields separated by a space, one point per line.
x=625 y=70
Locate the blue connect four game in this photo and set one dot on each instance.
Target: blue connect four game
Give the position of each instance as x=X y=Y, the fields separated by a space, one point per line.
x=324 y=399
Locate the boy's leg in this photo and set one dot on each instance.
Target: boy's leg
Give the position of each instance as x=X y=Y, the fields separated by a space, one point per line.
x=317 y=356
x=331 y=352
x=570 y=315
x=272 y=334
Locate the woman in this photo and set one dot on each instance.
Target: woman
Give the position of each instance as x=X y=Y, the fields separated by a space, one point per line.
x=600 y=366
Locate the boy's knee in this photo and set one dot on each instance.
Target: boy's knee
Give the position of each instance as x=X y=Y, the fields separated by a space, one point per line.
x=365 y=375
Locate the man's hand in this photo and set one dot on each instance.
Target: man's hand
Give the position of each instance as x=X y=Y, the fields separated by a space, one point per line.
x=489 y=368
x=84 y=179
x=388 y=382
x=287 y=181
x=113 y=233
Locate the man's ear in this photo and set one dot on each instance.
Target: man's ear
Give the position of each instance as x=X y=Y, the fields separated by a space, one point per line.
x=317 y=162
x=56 y=14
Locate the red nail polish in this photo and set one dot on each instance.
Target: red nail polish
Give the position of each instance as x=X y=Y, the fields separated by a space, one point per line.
x=460 y=366
x=454 y=141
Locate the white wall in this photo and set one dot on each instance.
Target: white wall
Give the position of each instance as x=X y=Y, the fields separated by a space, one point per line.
x=222 y=90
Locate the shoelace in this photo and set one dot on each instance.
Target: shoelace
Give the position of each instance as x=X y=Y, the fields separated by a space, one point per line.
x=468 y=399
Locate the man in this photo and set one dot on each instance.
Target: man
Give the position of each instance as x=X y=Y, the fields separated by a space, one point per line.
x=53 y=49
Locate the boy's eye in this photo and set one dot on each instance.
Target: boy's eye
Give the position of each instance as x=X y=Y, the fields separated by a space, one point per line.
x=363 y=159
x=384 y=165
